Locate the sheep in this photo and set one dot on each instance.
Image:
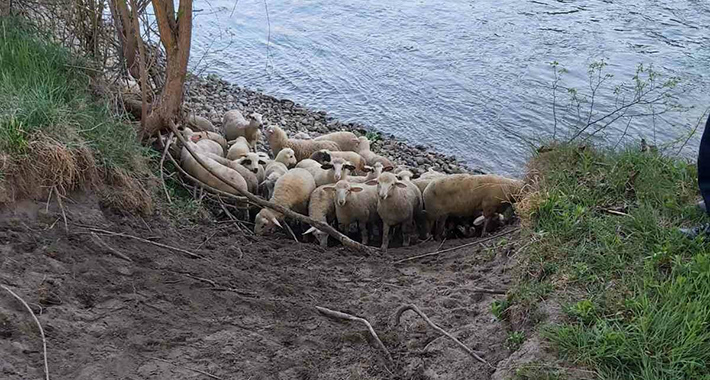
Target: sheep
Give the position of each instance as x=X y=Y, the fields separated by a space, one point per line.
x=239 y=148
x=200 y=123
x=266 y=188
x=302 y=148
x=370 y=156
x=352 y=157
x=329 y=172
x=321 y=207
x=373 y=173
x=431 y=174
x=302 y=136
x=422 y=183
x=249 y=177
x=464 y=195
x=276 y=169
x=347 y=141
x=292 y=191
x=398 y=203
x=255 y=164
x=235 y=125
x=195 y=169
x=206 y=141
x=355 y=203
x=405 y=175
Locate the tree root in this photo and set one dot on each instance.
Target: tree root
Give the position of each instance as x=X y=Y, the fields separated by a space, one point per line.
x=340 y=315
x=437 y=252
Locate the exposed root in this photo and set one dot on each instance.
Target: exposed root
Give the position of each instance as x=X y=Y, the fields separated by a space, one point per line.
x=110 y=249
x=41 y=330
x=106 y=232
x=441 y=331
x=435 y=253
x=340 y=315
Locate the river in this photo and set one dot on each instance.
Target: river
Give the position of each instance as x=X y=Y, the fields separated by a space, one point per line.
x=469 y=78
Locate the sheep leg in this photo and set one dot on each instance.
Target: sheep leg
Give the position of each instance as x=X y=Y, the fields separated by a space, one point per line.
x=440 y=227
x=408 y=229
x=385 y=236
x=485 y=226
x=323 y=240
x=364 y=232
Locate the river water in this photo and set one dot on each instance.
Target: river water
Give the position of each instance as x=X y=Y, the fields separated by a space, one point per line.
x=469 y=78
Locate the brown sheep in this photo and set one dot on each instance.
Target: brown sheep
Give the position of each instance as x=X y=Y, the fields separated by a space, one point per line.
x=347 y=141
x=292 y=191
x=324 y=156
x=371 y=157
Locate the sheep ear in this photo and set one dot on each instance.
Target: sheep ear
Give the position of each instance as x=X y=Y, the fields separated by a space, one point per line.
x=368 y=169
x=195 y=138
x=388 y=168
x=371 y=182
x=326 y=166
x=262 y=162
x=276 y=222
x=401 y=185
x=356 y=189
x=349 y=167
x=310 y=231
x=329 y=189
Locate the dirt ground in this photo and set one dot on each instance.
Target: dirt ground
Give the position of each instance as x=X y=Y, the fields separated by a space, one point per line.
x=244 y=311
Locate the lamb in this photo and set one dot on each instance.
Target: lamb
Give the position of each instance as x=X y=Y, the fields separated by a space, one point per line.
x=373 y=173
x=302 y=148
x=321 y=207
x=239 y=148
x=370 y=156
x=200 y=123
x=355 y=203
x=292 y=191
x=276 y=169
x=464 y=195
x=235 y=125
x=192 y=167
x=255 y=164
x=398 y=203
x=323 y=156
x=347 y=141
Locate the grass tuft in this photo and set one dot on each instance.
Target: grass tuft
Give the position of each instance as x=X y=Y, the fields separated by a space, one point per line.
x=636 y=293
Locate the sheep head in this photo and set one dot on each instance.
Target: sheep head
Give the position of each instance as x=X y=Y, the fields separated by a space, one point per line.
x=287 y=157
x=251 y=161
x=266 y=222
x=255 y=120
x=342 y=190
x=341 y=168
x=386 y=185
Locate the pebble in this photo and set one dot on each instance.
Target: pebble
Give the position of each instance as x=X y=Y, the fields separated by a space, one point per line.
x=211 y=97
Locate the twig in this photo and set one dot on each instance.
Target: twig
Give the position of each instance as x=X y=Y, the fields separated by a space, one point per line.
x=188 y=368
x=614 y=212
x=415 y=309
x=337 y=314
x=61 y=207
x=110 y=249
x=193 y=255
x=291 y=232
x=206 y=240
x=162 y=161
x=41 y=330
x=489 y=291
x=457 y=247
x=346 y=241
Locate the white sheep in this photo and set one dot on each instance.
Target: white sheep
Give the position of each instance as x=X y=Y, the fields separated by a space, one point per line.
x=206 y=141
x=235 y=125
x=292 y=191
x=249 y=177
x=302 y=136
x=321 y=208
x=302 y=148
x=355 y=203
x=431 y=174
x=329 y=172
x=239 y=148
x=399 y=203
x=405 y=175
x=200 y=123
x=345 y=140
x=355 y=159
x=255 y=164
x=192 y=167
x=370 y=156
x=465 y=195
x=373 y=173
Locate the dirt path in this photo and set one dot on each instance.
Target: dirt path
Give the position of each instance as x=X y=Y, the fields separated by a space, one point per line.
x=245 y=311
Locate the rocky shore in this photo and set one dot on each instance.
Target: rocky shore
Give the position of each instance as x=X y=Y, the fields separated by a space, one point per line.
x=211 y=97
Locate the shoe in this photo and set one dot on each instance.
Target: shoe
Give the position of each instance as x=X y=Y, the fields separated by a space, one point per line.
x=693 y=232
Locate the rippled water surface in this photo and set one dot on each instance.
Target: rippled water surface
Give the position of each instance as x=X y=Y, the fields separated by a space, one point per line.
x=469 y=78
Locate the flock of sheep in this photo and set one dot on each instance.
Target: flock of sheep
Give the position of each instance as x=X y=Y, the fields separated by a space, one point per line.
x=336 y=177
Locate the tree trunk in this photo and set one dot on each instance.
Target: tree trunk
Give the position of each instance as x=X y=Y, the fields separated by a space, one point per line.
x=127 y=36
x=175 y=35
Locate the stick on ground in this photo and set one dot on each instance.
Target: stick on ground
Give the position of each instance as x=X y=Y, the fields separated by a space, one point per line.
x=162 y=162
x=340 y=315
x=415 y=309
x=437 y=252
x=41 y=330
x=109 y=248
x=99 y=230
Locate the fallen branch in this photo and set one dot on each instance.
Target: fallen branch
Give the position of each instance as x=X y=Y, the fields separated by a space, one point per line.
x=188 y=368
x=346 y=241
x=41 y=330
x=337 y=314
x=208 y=187
x=441 y=331
x=162 y=161
x=193 y=255
x=109 y=248
x=481 y=241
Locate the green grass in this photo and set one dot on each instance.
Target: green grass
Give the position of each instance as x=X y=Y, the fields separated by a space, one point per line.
x=636 y=293
x=44 y=90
